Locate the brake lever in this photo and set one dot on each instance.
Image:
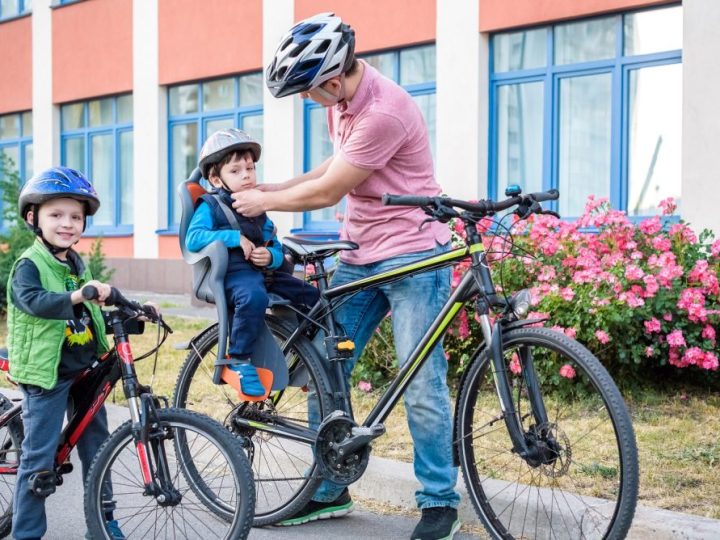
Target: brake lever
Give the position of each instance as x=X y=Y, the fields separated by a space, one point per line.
x=550 y=213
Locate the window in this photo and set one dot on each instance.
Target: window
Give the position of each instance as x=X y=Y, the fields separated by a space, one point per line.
x=97 y=139
x=590 y=107
x=16 y=147
x=199 y=109
x=414 y=69
x=14 y=8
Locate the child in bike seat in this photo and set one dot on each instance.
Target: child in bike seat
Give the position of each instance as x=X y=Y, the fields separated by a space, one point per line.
x=227 y=161
x=53 y=335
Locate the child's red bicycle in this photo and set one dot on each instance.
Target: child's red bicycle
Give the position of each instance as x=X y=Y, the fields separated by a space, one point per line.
x=165 y=473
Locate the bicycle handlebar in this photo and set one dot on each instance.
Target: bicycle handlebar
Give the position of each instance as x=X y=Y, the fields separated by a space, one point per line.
x=90 y=292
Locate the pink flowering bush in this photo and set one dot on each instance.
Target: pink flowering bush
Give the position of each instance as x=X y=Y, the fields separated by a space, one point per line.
x=639 y=295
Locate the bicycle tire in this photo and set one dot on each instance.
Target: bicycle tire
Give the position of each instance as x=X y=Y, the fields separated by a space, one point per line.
x=511 y=497
x=12 y=434
x=277 y=497
x=142 y=516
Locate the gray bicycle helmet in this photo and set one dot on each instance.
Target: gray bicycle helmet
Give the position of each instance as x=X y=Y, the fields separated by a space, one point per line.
x=220 y=143
x=313 y=51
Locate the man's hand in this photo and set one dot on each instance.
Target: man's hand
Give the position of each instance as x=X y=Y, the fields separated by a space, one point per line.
x=261 y=256
x=249 y=203
x=247 y=246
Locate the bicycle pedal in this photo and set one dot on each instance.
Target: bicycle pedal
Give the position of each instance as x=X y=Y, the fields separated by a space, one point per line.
x=43 y=483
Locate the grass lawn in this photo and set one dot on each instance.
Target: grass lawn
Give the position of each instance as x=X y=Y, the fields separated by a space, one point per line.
x=678 y=435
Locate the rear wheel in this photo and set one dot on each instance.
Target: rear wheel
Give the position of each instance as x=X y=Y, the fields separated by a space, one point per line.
x=285 y=471
x=586 y=485
x=11 y=437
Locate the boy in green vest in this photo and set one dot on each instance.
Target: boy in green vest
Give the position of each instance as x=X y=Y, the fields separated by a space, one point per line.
x=53 y=335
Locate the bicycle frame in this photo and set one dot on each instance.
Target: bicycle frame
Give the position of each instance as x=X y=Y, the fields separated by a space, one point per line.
x=475 y=283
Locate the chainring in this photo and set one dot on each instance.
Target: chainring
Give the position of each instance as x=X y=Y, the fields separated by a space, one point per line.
x=340 y=469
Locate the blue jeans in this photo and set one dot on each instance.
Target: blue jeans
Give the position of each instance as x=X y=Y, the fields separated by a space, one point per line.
x=42 y=415
x=414 y=303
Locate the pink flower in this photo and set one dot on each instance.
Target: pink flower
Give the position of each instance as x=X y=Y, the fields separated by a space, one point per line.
x=567 y=371
x=650 y=226
x=668 y=317
x=463 y=329
x=571 y=333
x=668 y=206
x=708 y=333
x=661 y=243
x=676 y=339
x=649 y=351
x=652 y=326
x=515 y=364
x=567 y=294
x=633 y=272
x=364 y=386
x=710 y=361
x=693 y=356
x=602 y=336
x=715 y=248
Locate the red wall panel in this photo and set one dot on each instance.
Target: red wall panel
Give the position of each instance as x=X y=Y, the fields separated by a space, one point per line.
x=92 y=49
x=495 y=15
x=379 y=25
x=16 y=65
x=112 y=247
x=207 y=38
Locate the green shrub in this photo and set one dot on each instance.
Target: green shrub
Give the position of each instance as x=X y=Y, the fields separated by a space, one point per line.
x=96 y=262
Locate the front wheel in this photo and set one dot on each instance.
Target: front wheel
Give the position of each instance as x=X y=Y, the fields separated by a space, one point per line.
x=587 y=483
x=115 y=491
x=11 y=437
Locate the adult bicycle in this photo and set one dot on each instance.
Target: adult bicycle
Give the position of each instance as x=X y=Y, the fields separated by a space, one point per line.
x=166 y=472
x=537 y=463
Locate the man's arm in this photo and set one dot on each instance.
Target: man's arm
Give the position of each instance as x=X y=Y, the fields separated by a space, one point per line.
x=317 y=172
x=327 y=190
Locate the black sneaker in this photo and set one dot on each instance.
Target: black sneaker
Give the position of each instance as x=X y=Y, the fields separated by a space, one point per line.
x=437 y=523
x=314 y=510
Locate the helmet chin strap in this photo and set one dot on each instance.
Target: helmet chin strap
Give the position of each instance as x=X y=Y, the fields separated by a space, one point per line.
x=330 y=96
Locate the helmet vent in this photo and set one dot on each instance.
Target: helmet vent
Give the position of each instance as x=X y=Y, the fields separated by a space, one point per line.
x=281 y=73
x=285 y=45
x=323 y=46
x=300 y=48
x=310 y=29
x=334 y=67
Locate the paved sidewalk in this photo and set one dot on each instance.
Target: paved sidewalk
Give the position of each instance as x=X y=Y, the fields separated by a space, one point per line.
x=392 y=482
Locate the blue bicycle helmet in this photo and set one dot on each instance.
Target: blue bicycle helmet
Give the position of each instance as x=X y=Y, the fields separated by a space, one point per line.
x=55 y=183
x=313 y=51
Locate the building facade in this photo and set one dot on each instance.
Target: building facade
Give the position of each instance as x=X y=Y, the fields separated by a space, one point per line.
x=605 y=97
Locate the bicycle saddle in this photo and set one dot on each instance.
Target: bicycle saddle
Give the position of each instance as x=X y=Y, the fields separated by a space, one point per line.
x=317 y=249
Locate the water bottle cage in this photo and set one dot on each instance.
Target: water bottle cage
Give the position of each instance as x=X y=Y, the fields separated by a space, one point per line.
x=339 y=348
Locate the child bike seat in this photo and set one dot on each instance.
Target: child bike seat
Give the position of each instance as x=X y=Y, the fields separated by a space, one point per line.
x=209 y=268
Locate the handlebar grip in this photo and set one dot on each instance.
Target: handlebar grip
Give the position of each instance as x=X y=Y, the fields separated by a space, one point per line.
x=549 y=195
x=406 y=200
x=89 y=292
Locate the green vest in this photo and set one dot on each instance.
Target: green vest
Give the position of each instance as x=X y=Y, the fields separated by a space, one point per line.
x=35 y=344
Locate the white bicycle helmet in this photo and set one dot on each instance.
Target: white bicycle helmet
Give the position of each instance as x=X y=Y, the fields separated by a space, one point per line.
x=220 y=143
x=313 y=51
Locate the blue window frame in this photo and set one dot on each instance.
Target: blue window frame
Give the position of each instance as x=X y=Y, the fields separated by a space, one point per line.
x=96 y=138
x=414 y=69
x=10 y=9
x=590 y=107
x=199 y=109
x=16 y=147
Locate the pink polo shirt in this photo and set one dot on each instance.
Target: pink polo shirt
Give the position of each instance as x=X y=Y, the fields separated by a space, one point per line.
x=382 y=129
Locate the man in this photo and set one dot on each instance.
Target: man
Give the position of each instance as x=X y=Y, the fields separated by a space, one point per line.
x=381 y=146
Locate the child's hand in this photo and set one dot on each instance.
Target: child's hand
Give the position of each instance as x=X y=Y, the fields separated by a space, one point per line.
x=154 y=307
x=247 y=246
x=103 y=290
x=260 y=256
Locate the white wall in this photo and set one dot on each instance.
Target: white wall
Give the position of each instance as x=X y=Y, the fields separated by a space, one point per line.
x=46 y=116
x=149 y=128
x=282 y=118
x=701 y=114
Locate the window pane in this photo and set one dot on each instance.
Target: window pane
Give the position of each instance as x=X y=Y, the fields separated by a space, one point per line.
x=584 y=153
x=384 y=63
x=585 y=41
x=417 y=65
x=126 y=178
x=426 y=102
x=211 y=126
x=11 y=153
x=520 y=136
x=125 y=109
x=8 y=8
x=75 y=153
x=184 y=99
x=321 y=148
x=653 y=31
x=28 y=5
x=28 y=150
x=655 y=125
x=184 y=160
x=520 y=50
x=254 y=126
x=218 y=94
x=27 y=124
x=251 y=90
x=101 y=174
x=72 y=116
x=9 y=128
x=100 y=112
